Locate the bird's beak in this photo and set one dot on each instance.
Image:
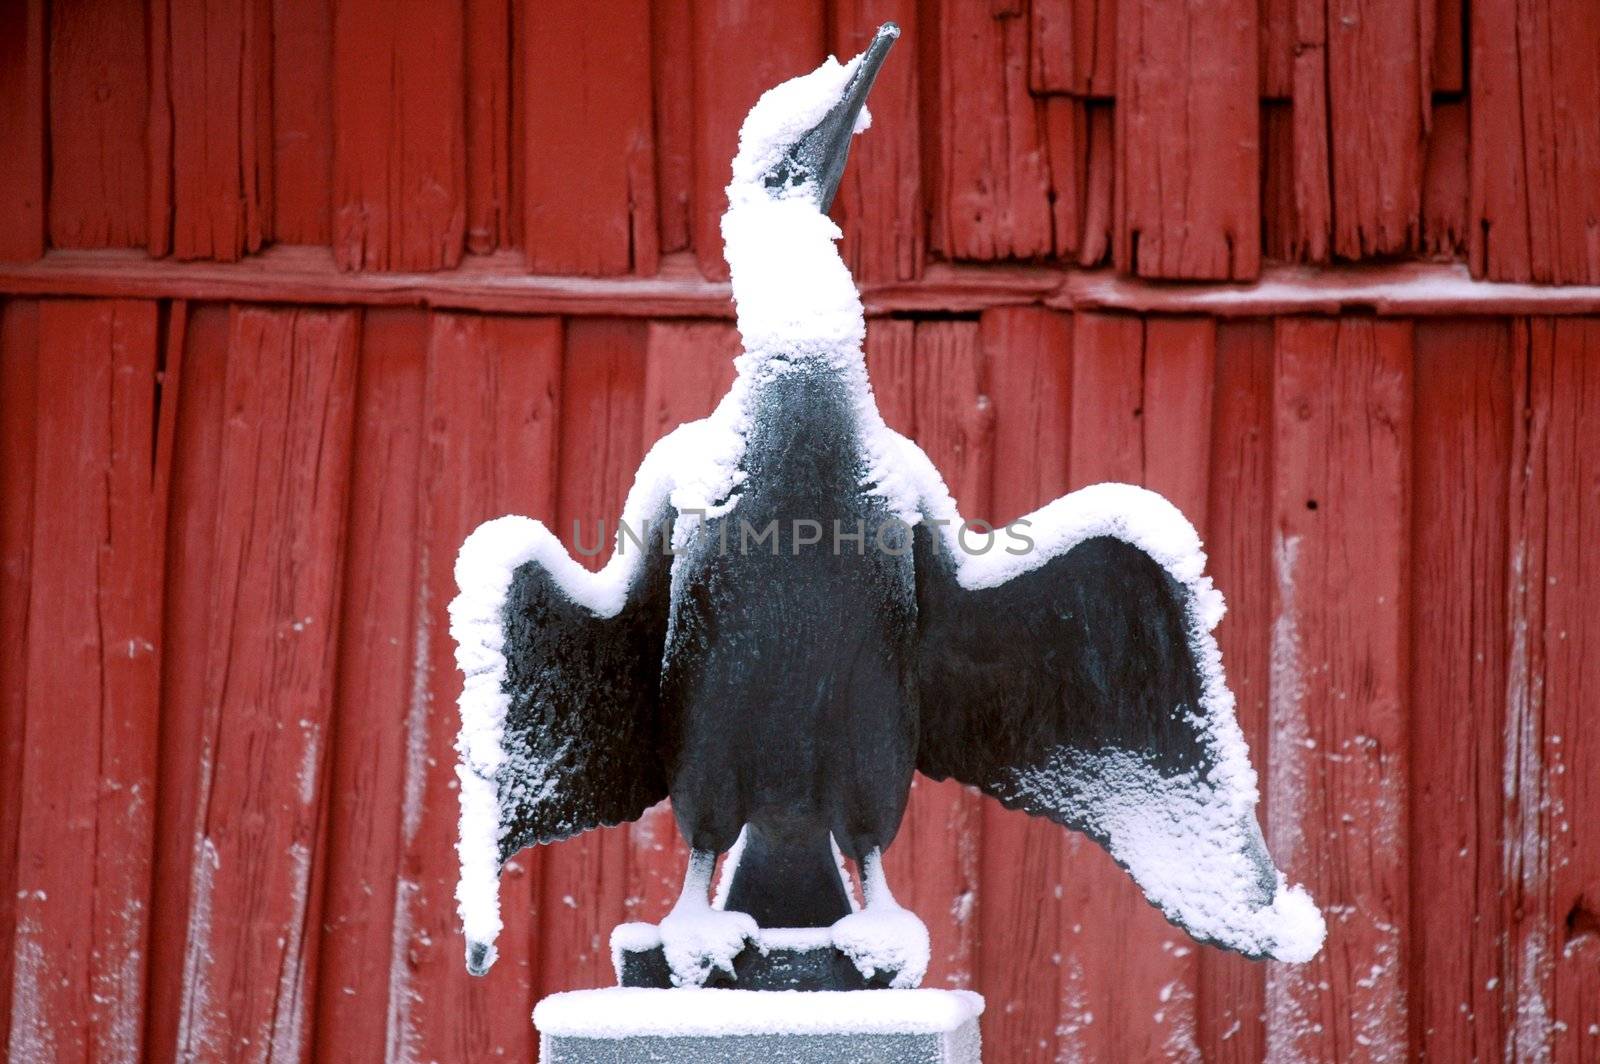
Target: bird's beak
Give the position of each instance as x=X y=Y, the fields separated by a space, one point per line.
x=822 y=150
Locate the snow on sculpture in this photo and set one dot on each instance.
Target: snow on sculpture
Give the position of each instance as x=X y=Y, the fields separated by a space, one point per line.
x=797 y=625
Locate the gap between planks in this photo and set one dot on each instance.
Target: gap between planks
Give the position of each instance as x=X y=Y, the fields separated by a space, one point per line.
x=499 y=282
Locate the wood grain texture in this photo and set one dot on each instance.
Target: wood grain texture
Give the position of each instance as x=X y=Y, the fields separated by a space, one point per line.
x=98 y=102
x=1188 y=152
x=1535 y=141
x=250 y=949
x=88 y=771
x=1337 y=760
x=1229 y=1001
x=1463 y=463
x=23 y=113
x=1552 y=866
x=186 y=633
x=793 y=41
x=991 y=184
x=399 y=155
x=1028 y=370
x=586 y=881
x=879 y=205
x=379 y=634
x=19 y=360
x=589 y=187
x=490 y=449
x=218 y=91
x=488 y=124
x=302 y=121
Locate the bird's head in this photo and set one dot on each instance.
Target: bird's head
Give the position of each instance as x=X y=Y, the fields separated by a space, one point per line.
x=793 y=292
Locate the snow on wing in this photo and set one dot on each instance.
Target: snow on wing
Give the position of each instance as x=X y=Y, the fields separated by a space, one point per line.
x=561 y=730
x=1080 y=682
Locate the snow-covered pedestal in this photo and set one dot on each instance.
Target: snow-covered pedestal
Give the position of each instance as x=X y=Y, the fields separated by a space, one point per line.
x=624 y=1025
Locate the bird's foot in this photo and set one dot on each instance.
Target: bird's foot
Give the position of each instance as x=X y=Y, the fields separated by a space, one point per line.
x=885 y=938
x=699 y=940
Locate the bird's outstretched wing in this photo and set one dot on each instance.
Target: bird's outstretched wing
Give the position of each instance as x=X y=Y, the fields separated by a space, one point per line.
x=560 y=723
x=1077 y=679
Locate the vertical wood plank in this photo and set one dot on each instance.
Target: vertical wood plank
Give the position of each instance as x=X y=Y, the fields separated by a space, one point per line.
x=19 y=359
x=880 y=198
x=98 y=102
x=792 y=42
x=1311 y=169
x=585 y=881
x=302 y=121
x=1340 y=670
x=399 y=169
x=1188 y=157
x=671 y=37
x=1463 y=430
x=1051 y=55
x=1094 y=43
x=933 y=865
x=1374 y=66
x=589 y=190
x=378 y=636
x=1098 y=179
x=489 y=449
x=1446 y=183
x=488 y=124
x=1278 y=37
x=22 y=115
x=94 y=618
x=1552 y=864
x=1535 y=141
x=270 y=677
x=1028 y=352
x=191 y=550
x=991 y=195
x=219 y=80
x=1230 y=995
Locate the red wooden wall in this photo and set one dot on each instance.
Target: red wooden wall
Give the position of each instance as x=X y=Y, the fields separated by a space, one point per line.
x=295 y=294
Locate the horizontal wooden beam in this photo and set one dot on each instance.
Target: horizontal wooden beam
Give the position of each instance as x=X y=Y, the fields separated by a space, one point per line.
x=500 y=283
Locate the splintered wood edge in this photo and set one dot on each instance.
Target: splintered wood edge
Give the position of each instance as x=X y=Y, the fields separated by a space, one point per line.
x=500 y=283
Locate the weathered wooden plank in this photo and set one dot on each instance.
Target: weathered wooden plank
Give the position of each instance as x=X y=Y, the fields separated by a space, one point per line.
x=195 y=489
x=84 y=843
x=991 y=190
x=671 y=40
x=1097 y=175
x=1464 y=415
x=1094 y=45
x=19 y=351
x=1028 y=352
x=270 y=678
x=1066 y=123
x=488 y=124
x=98 y=101
x=302 y=121
x=1188 y=153
x=792 y=42
x=1535 y=141
x=1051 y=55
x=219 y=89
x=491 y=398
x=1377 y=103
x=1311 y=168
x=688 y=368
x=585 y=880
x=933 y=865
x=1230 y=994
x=1551 y=973
x=399 y=155
x=1446 y=183
x=22 y=115
x=1278 y=39
x=879 y=205
x=1449 y=73
x=1337 y=763
x=369 y=755
x=589 y=187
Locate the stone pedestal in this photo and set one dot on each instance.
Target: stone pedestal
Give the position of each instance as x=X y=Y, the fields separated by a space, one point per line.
x=631 y=1025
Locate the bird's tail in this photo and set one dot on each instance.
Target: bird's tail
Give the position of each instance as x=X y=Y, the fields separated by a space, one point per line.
x=786 y=877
